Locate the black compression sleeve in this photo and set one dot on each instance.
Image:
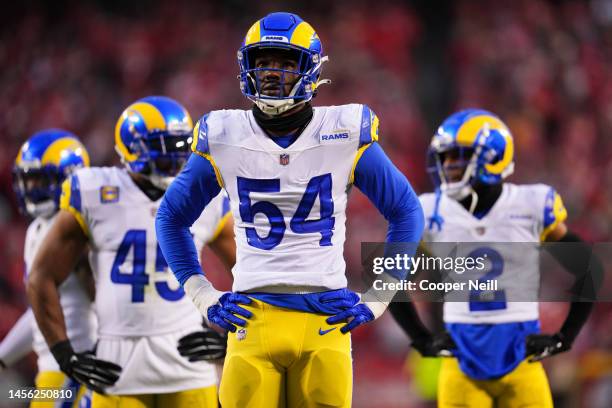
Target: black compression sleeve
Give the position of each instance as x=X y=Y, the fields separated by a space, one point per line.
x=588 y=270
x=576 y=317
x=579 y=260
x=405 y=314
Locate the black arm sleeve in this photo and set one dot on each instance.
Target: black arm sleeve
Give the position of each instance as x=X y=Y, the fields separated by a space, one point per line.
x=588 y=271
x=405 y=314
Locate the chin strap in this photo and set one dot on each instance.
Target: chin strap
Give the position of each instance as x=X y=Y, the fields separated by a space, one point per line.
x=436 y=219
x=473 y=201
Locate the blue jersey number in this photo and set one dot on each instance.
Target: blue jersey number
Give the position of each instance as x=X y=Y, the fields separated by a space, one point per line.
x=497 y=301
x=319 y=186
x=137 y=239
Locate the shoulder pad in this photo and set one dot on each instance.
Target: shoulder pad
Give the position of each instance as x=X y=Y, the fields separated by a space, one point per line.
x=199 y=143
x=369 y=126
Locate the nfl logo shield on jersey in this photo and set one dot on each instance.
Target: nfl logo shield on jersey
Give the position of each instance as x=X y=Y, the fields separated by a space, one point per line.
x=241 y=334
x=284 y=159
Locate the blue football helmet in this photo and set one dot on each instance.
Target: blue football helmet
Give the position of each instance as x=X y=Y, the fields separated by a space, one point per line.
x=153 y=138
x=42 y=164
x=471 y=146
x=289 y=33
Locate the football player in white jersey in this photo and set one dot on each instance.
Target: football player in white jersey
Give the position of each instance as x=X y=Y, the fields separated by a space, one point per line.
x=42 y=164
x=142 y=311
x=496 y=344
x=287 y=168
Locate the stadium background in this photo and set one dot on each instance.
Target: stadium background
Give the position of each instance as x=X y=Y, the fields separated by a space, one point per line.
x=544 y=66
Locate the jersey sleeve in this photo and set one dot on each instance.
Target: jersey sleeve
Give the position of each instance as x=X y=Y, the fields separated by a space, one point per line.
x=369 y=126
x=72 y=202
x=553 y=214
x=18 y=341
x=200 y=145
x=368 y=134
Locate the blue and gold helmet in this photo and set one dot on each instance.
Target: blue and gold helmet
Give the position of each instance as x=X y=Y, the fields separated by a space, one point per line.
x=42 y=164
x=471 y=146
x=287 y=32
x=153 y=138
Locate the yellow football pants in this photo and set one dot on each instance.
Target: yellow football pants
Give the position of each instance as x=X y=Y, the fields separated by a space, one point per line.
x=287 y=358
x=526 y=386
x=199 y=397
x=55 y=379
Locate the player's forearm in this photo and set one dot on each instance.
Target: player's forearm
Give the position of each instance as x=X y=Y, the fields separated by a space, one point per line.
x=576 y=318
x=176 y=244
x=406 y=220
x=588 y=271
x=18 y=341
x=44 y=298
x=407 y=317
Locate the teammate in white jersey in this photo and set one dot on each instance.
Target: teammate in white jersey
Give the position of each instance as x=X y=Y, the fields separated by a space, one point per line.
x=43 y=163
x=142 y=311
x=492 y=341
x=287 y=168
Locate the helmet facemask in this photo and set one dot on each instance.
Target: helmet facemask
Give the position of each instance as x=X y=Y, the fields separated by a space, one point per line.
x=161 y=156
x=294 y=86
x=452 y=170
x=38 y=190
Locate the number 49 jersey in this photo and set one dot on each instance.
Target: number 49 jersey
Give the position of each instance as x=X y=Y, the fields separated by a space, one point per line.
x=288 y=203
x=136 y=294
x=509 y=236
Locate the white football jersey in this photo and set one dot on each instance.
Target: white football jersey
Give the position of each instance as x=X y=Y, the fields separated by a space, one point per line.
x=288 y=203
x=136 y=293
x=509 y=235
x=142 y=310
x=79 y=316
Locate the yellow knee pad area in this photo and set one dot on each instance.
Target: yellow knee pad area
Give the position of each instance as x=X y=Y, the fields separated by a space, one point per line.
x=525 y=386
x=281 y=359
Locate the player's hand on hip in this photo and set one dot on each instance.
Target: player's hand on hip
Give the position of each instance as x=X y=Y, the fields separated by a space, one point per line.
x=340 y=299
x=205 y=345
x=354 y=316
x=225 y=313
x=220 y=308
x=440 y=345
x=540 y=346
x=356 y=312
x=85 y=368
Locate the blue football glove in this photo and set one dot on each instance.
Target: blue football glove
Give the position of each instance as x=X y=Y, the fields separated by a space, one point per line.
x=340 y=299
x=224 y=312
x=354 y=316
